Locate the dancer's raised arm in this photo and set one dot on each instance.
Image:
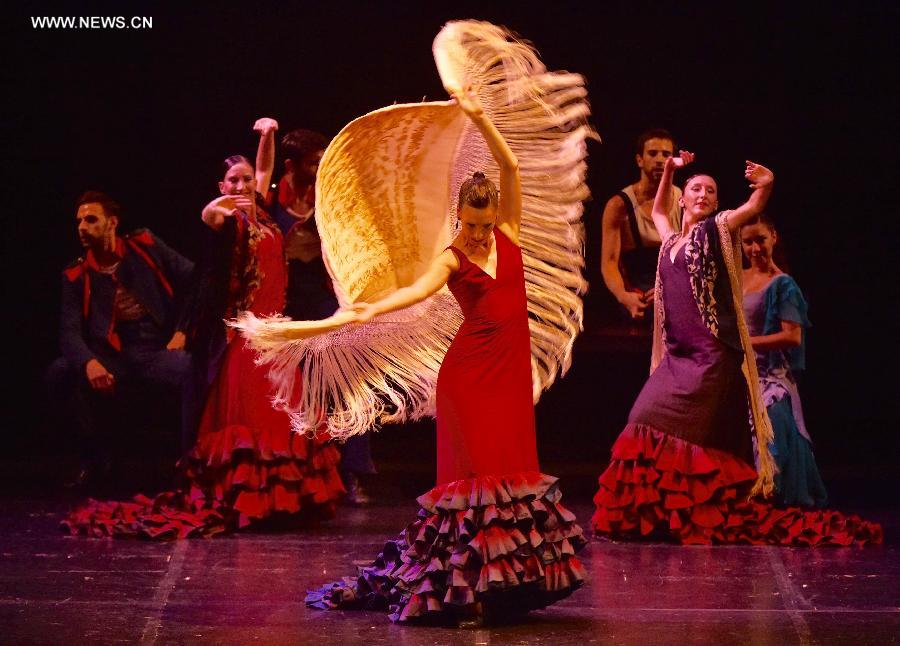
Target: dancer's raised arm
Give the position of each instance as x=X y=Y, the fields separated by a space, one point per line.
x=662 y=203
x=509 y=213
x=427 y=284
x=761 y=181
x=265 y=153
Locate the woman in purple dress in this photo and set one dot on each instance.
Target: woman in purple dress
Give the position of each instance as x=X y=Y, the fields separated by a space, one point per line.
x=686 y=464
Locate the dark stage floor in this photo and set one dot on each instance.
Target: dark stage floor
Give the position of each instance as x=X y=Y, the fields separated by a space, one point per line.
x=249 y=589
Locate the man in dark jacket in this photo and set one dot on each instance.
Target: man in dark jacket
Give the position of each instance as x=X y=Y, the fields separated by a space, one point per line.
x=120 y=307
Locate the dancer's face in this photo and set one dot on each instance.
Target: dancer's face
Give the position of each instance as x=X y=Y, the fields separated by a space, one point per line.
x=653 y=159
x=95 y=228
x=758 y=241
x=239 y=180
x=700 y=198
x=476 y=225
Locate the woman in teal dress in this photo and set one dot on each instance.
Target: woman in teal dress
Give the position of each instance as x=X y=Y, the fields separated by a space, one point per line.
x=776 y=315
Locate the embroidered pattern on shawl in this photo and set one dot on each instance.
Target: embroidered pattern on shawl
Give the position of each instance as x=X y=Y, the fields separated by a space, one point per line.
x=245 y=273
x=704 y=272
x=245 y=276
x=386 y=206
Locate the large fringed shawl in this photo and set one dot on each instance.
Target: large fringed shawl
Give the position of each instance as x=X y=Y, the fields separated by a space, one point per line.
x=386 y=207
x=714 y=263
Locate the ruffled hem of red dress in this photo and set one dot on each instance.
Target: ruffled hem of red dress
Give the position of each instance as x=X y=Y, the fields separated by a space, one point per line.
x=661 y=487
x=504 y=542
x=233 y=484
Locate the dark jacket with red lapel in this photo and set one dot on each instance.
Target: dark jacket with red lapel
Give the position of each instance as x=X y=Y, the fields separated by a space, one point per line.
x=154 y=273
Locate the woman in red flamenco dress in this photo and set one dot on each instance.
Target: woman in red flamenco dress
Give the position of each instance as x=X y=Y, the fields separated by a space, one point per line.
x=683 y=469
x=247 y=465
x=491 y=538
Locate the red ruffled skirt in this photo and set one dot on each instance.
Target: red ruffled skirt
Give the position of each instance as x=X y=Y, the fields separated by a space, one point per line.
x=505 y=542
x=661 y=487
x=256 y=477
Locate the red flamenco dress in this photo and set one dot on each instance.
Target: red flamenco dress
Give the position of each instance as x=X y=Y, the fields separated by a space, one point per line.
x=682 y=469
x=493 y=530
x=247 y=465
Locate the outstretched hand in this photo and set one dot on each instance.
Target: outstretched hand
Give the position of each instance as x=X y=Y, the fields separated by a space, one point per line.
x=227 y=206
x=468 y=101
x=759 y=175
x=683 y=159
x=223 y=205
x=363 y=312
x=245 y=203
x=231 y=205
x=265 y=125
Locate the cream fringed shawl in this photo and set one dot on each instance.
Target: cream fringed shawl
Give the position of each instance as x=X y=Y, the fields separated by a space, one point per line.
x=726 y=323
x=386 y=207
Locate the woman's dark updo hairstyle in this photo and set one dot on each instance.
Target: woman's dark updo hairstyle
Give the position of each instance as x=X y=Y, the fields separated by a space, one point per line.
x=696 y=175
x=234 y=160
x=478 y=192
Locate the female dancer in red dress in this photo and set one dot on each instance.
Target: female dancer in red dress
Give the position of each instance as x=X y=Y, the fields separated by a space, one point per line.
x=683 y=467
x=247 y=464
x=492 y=537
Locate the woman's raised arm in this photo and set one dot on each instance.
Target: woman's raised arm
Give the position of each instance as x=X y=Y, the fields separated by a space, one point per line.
x=662 y=203
x=265 y=153
x=509 y=214
x=761 y=181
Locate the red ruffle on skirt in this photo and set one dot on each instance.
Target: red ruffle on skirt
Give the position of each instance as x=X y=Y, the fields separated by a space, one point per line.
x=660 y=486
x=235 y=479
x=505 y=542
x=255 y=477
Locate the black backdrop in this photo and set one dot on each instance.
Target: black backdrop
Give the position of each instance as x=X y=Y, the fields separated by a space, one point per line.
x=146 y=115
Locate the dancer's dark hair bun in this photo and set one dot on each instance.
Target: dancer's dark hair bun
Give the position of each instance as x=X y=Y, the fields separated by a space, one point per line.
x=478 y=192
